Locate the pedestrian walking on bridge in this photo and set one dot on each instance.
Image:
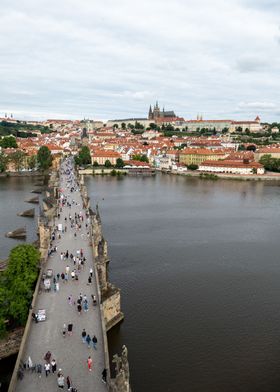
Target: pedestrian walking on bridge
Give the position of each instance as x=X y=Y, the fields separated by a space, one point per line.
x=53 y=363
x=94 y=342
x=68 y=382
x=84 y=335
x=104 y=376
x=88 y=340
x=89 y=363
x=47 y=367
x=47 y=356
x=64 y=330
x=60 y=381
x=70 y=329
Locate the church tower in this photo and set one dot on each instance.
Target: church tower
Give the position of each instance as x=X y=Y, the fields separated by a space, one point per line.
x=151 y=116
x=156 y=111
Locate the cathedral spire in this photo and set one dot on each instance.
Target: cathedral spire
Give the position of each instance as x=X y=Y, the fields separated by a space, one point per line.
x=150 y=113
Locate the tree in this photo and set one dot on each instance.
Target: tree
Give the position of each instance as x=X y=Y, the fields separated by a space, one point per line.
x=116 y=126
x=123 y=125
x=192 y=166
x=17 y=284
x=107 y=163
x=21 y=275
x=3 y=162
x=32 y=162
x=266 y=160
x=83 y=157
x=153 y=126
x=144 y=158
x=17 y=158
x=95 y=163
x=8 y=142
x=141 y=158
x=269 y=163
x=136 y=157
x=44 y=158
x=138 y=125
x=169 y=127
x=119 y=163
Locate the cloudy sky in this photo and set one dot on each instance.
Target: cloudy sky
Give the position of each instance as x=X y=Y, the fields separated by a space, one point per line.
x=110 y=59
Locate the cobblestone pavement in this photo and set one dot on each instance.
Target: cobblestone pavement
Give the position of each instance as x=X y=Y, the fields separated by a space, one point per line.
x=69 y=352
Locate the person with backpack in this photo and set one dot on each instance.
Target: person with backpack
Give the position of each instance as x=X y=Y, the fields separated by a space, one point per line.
x=94 y=342
x=88 y=340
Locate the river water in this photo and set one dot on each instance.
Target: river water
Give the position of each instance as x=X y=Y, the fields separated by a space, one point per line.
x=198 y=265
x=13 y=192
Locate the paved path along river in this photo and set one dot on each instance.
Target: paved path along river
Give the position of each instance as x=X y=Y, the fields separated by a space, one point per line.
x=70 y=352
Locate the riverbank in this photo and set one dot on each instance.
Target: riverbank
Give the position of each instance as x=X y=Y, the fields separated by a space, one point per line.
x=102 y=171
x=239 y=177
x=203 y=175
x=22 y=174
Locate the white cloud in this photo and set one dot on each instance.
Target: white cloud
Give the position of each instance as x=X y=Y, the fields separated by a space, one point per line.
x=112 y=59
x=257 y=105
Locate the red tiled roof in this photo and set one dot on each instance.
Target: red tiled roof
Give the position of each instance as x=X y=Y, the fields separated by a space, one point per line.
x=105 y=154
x=232 y=163
x=269 y=150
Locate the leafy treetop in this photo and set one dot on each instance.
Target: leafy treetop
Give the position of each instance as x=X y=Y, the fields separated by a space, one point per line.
x=44 y=158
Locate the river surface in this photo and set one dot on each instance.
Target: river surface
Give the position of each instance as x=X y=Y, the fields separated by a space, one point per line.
x=199 y=268
x=13 y=192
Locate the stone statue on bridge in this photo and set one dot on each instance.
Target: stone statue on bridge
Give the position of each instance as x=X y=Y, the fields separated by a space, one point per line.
x=121 y=382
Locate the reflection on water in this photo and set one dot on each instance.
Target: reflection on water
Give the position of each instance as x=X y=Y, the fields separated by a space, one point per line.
x=198 y=265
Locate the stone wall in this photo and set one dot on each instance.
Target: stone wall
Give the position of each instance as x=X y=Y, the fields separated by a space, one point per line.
x=112 y=307
x=11 y=344
x=44 y=237
x=109 y=296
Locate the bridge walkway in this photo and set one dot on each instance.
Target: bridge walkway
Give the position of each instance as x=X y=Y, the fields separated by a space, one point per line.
x=70 y=352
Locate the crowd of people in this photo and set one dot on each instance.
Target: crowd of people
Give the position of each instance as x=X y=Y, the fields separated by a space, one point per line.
x=72 y=263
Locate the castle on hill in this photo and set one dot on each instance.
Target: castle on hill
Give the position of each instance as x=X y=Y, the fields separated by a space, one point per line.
x=156 y=113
